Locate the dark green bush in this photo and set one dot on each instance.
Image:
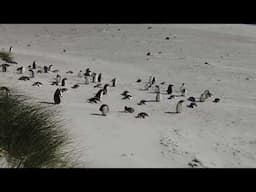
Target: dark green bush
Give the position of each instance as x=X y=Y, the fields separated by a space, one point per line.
x=6 y=56
x=31 y=137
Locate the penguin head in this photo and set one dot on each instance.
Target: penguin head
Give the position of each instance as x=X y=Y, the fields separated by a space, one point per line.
x=181 y=101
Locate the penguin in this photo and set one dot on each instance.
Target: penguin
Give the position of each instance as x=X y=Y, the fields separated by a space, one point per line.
x=142 y=102
x=158 y=97
x=56 y=71
x=75 y=86
x=34 y=65
x=10 y=49
x=93 y=77
x=105 y=89
x=50 y=67
x=99 y=78
x=99 y=85
x=192 y=99
x=157 y=89
x=58 y=79
x=182 y=87
x=202 y=97
x=99 y=94
x=86 y=80
x=32 y=73
x=45 y=69
x=179 y=106
x=125 y=93
x=21 y=69
x=29 y=67
x=129 y=109
x=87 y=72
x=150 y=79
x=162 y=83
x=57 y=96
x=142 y=115
x=5 y=90
x=183 y=92
x=4 y=67
x=127 y=97
x=153 y=80
x=148 y=85
x=69 y=72
x=172 y=97
x=37 y=84
x=192 y=105
x=207 y=94
x=104 y=109
x=39 y=71
x=24 y=78
x=169 y=89
x=93 y=100
x=138 y=81
x=216 y=100
x=113 y=82
x=63 y=90
x=80 y=74
x=63 y=82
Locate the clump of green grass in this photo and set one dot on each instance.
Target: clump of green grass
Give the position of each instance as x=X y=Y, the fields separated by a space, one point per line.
x=6 y=56
x=31 y=137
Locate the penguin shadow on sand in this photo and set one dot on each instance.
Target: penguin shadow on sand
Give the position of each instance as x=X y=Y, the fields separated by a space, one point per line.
x=97 y=114
x=45 y=102
x=171 y=112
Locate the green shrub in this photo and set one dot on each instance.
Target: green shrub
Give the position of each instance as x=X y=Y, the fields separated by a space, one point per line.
x=31 y=137
x=6 y=56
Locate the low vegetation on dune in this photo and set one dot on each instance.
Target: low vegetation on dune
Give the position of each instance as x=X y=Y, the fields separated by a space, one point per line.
x=6 y=56
x=31 y=136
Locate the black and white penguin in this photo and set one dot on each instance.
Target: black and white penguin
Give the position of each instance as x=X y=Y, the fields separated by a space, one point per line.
x=10 y=49
x=142 y=102
x=63 y=82
x=138 y=81
x=56 y=71
x=158 y=97
x=183 y=92
x=32 y=73
x=93 y=77
x=142 y=115
x=63 y=90
x=113 y=82
x=5 y=90
x=99 y=94
x=57 y=96
x=153 y=80
x=124 y=93
x=93 y=100
x=99 y=85
x=157 y=89
x=58 y=79
x=207 y=94
x=50 y=67
x=192 y=99
x=38 y=83
x=4 y=67
x=216 y=100
x=86 y=80
x=169 y=89
x=99 y=77
x=69 y=72
x=104 y=108
x=87 y=72
x=128 y=96
x=192 y=105
x=21 y=70
x=24 y=78
x=39 y=71
x=179 y=106
x=105 y=89
x=202 y=97
x=34 y=65
x=80 y=74
x=182 y=87
x=45 y=69
x=75 y=86
x=128 y=109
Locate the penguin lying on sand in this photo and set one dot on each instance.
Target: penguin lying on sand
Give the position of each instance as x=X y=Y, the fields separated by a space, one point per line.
x=93 y=100
x=192 y=105
x=192 y=99
x=24 y=78
x=69 y=72
x=75 y=86
x=129 y=109
x=142 y=115
x=56 y=71
x=37 y=84
x=142 y=102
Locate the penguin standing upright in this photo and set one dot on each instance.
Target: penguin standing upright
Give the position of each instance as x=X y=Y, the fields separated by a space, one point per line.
x=153 y=80
x=105 y=89
x=113 y=82
x=104 y=109
x=50 y=67
x=93 y=77
x=34 y=65
x=10 y=49
x=157 y=89
x=179 y=106
x=202 y=97
x=4 y=67
x=158 y=97
x=99 y=78
x=183 y=92
x=57 y=96
x=86 y=80
x=32 y=73
x=63 y=82
x=45 y=69
x=99 y=94
x=80 y=74
x=169 y=89
x=58 y=79
x=87 y=72
x=182 y=87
